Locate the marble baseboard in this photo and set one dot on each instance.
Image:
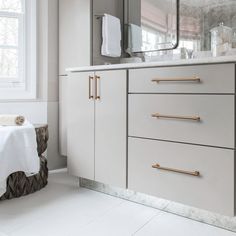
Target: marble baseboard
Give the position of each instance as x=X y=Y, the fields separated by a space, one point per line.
x=228 y=223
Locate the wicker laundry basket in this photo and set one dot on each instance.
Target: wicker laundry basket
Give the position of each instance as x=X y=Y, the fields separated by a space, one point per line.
x=18 y=184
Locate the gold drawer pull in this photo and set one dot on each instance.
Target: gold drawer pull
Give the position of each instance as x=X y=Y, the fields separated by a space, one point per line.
x=191 y=79
x=194 y=173
x=97 y=87
x=90 y=87
x=193 y=118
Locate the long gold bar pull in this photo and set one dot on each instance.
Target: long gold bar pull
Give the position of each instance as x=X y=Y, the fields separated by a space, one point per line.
x=90 y=87
x=193 y=118
x=190 y=79
x=194 y=173
x=97 y=87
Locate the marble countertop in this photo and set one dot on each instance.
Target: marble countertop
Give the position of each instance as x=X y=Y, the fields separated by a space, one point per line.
x=211 y=60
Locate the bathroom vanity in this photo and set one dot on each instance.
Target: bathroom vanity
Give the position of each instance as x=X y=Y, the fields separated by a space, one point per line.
x=164 y=129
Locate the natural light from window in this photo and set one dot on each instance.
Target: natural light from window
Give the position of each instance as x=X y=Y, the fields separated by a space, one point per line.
x=17 y=47
x=10 y=22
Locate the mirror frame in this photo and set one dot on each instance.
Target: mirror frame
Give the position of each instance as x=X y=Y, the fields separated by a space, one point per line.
x=126 y=22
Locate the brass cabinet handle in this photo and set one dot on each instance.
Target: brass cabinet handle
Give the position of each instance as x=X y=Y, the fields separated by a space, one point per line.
x=90 y=87
x=194 y=173
x=97 y=87
x=193 y=118
x=190 y=79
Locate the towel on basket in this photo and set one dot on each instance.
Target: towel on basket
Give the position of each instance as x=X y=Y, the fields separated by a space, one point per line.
x=111 y=36
x=11 y=120
x=18 y=152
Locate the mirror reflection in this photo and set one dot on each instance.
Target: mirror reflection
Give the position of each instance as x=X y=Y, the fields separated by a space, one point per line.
x=206 y=28
x=151 y=25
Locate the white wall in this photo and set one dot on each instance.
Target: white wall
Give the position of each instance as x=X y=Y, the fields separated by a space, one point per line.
x=54 y=159
x=45 y=108
x=36 y=112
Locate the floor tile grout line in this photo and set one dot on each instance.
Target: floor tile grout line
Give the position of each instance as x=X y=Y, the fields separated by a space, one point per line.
x=129 y=200
x=116 y=206
x=164 y=210
x=98 y=216
x=95 y=218
x=153 y=217
x=91 y=221
x=101 y=215
x=82 y=226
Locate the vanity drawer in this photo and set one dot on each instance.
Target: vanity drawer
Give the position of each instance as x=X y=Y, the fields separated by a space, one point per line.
x=215 y=127
x=187 y=79
x=212 y=190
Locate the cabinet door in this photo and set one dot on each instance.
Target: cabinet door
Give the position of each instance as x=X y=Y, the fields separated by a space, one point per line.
x=110 y=129
x=80 y=136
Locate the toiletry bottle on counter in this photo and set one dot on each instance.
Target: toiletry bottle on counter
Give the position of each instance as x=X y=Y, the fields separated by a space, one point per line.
x=221 y=40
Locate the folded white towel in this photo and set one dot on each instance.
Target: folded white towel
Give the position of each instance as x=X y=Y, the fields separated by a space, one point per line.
x=11 y=120
x=18 y=152
x=111 y=35
x=135 y=39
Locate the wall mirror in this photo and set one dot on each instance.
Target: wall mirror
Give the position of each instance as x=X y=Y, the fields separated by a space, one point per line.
x=151 y=25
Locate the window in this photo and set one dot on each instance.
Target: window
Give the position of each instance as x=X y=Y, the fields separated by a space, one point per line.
x=17 y=49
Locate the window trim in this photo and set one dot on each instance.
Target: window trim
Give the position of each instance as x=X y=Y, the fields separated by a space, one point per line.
x=27 y=88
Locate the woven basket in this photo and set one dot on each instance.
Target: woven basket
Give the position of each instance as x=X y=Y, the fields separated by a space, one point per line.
x=18 y=184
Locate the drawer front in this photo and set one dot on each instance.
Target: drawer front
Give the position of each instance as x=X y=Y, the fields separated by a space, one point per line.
x=215 y=127
x=212 y=190
x=213 y=79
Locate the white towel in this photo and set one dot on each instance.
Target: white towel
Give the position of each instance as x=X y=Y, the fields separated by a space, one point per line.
x=18 y=152
x=111 y=36
x=135 y=39
x=11 y=120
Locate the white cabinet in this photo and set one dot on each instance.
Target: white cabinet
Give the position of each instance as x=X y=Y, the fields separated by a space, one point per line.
x=110 y=129
x=80 y=129
x=179 y=143
x=182 y=135
x=97 y=133
x=213 y=186
x=203 y=79
x=203 y=123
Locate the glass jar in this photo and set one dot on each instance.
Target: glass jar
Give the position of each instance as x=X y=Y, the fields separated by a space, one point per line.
x=234 y=40
x=221 y=40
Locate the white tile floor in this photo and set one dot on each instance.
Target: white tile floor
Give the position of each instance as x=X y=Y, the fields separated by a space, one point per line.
x=62 y=209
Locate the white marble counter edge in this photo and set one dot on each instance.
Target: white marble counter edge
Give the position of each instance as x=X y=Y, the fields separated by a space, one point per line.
x=225 y=59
